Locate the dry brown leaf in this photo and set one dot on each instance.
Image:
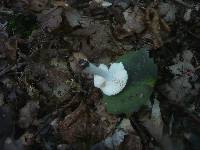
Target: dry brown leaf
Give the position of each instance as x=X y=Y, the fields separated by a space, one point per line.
x=134 y=20
x=38 y=5
x=51 y=19
x=96 y=40
x=74 y=61
x=28 y=114
x=11 y=51
x=72 y=16
x=83 y=123
x=131 y=142
x=60 y=3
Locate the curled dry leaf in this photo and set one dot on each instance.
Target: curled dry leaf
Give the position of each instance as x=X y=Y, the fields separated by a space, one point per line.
x=155 y=23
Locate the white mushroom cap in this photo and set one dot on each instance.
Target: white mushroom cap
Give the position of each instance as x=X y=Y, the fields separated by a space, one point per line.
x=117 y=81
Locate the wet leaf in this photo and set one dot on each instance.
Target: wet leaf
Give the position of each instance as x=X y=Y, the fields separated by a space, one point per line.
x=142 y=75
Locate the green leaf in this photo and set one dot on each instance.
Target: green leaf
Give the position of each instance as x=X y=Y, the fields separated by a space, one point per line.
x=142 y=73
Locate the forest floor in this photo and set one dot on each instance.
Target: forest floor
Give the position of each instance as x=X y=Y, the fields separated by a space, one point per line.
x=47 y=102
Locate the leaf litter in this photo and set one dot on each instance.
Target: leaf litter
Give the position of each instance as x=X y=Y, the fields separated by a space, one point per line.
x=47 y=102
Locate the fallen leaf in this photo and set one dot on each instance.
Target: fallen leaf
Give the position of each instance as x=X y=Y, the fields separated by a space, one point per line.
x=72 y=16
x=28 y=114
x=51 y=19
x=134 y=20
x=115 y=140
x=38 y=5
x=155 y=124
x=142 y=74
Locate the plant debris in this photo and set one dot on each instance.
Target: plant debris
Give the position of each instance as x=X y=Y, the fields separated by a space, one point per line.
x=47 y=102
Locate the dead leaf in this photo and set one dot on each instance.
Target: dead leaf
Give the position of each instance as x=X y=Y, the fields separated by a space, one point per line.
x=134 y=20
x=7 y=124
x=28 y=114
x=72 y=16
x=74 y=61
x=155 y=23
x=167 y=11
x=11 y=51
x=115 y=140
x=155 y=124
x=95 y=41
x=83 y=123
x=51 y=19
x=131 y=142
x=38 y=5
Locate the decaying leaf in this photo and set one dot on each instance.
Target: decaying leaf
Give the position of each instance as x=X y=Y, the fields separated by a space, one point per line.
x=51 y=19
x=81 y=123
x=115 y=140
x=74 y=61
x=167 y=11
x=180 y=87
x=12 y=48
x=8 y=47
x=155 y=124
x=38 y=5
x=95 y=41
x=28 y=114
x=131 y=142
x=7 y=124
x=134 y=20
x=72 y=16
x=147 y=24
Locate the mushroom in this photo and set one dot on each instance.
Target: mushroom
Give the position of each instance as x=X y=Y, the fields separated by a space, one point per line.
x=110 y=80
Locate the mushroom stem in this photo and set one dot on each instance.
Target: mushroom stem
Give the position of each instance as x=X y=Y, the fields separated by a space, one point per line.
x=92 y=69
